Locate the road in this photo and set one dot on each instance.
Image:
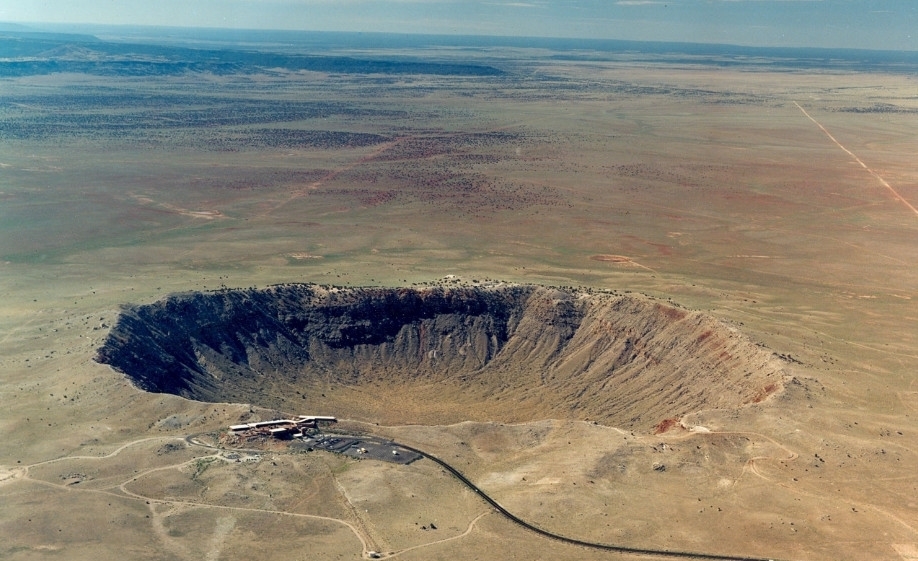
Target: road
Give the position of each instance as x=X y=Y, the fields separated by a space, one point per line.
x=574 y=541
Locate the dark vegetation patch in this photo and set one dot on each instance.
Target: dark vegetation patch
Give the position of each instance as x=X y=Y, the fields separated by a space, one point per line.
x=296 y=138
x=878 y=108
x=654 y=172
x=553 y=88
x=206 y=121
x=448 y=172
x=458 y=145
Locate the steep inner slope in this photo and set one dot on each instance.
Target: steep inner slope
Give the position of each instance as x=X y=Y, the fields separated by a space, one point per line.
x=403 y=355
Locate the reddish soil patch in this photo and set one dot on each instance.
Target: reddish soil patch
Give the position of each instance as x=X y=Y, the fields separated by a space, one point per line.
x=701 y=338
x=665 y=425
x=763 y=393
x=674 y=314
x=663 y=249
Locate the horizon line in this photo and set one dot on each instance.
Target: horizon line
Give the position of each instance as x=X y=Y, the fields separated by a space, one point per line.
x=597 y=40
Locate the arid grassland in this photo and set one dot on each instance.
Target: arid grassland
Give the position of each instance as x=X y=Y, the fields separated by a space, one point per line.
x=774 y=203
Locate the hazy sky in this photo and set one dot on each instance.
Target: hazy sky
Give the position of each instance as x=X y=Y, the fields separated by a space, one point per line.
x=876 y=24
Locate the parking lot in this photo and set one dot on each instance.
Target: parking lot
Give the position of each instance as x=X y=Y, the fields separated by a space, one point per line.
x=361 y=447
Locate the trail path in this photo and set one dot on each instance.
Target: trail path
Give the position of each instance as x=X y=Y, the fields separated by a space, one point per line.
x=225 y=524
x=362 y=526
x=21 y=327
x=752 y=467
x=331 y=175
x=451 y=538
x=120 y=490
x=859 y=161
x=111 y=454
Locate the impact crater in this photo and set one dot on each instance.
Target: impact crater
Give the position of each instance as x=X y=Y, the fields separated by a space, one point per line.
x=442 y=354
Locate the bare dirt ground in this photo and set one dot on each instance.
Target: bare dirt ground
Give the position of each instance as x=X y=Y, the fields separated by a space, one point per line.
x=773 y=201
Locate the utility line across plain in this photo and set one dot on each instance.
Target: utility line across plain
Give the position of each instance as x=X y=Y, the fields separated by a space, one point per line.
x=859 y=161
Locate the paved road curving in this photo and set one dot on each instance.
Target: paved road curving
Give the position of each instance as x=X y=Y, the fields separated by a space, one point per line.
x=573 y=541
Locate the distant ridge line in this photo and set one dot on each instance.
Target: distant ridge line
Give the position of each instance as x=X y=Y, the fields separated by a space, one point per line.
x=391 y=39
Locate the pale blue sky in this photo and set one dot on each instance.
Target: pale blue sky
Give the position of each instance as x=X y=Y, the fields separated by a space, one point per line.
x=873 y=24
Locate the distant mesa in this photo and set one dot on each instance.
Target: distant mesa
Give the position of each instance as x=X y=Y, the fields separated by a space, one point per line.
x=30 y=53
x=442 y=354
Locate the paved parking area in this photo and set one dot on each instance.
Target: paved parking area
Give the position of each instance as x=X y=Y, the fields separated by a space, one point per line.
x=361 y=447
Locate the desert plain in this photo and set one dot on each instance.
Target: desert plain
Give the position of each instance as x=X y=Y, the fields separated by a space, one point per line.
x=779 y=201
